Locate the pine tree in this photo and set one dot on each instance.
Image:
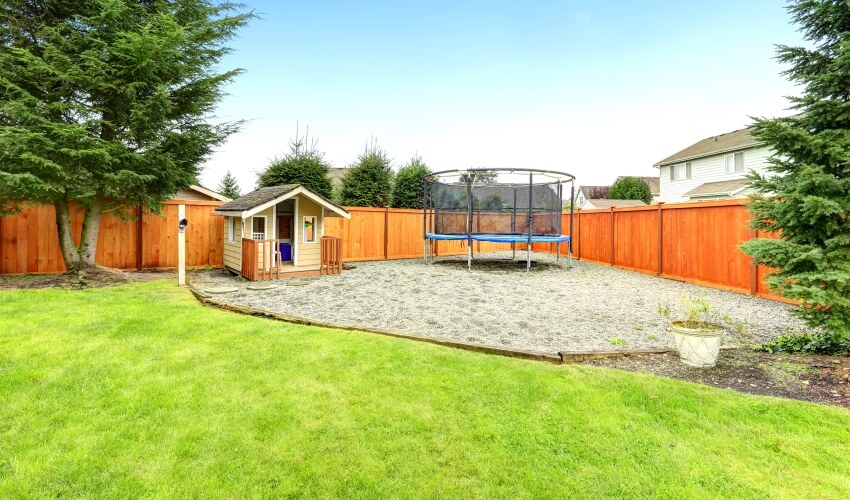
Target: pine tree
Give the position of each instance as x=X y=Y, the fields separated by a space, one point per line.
x=302 y=165
x=228 y=186
x=805 y=198
x=105 y=103
x=630 y=188
x=369 y=182
x=408 y=188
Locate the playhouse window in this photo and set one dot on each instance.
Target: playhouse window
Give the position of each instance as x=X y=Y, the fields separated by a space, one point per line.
x=258 y=227
x=310 y=229
x=231 y=228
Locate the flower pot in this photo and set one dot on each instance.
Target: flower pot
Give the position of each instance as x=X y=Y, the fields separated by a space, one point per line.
x=697 y=347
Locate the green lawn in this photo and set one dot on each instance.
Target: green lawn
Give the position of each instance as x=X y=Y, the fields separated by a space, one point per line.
x=138 y=390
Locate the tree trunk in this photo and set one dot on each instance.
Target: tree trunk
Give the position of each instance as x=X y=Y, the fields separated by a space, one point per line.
x=66 y=239
x=88 y=238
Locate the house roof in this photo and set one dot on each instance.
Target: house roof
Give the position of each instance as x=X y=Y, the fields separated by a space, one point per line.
x=732 y=141
x=586 y=191
x=605 y=203
x=654 y=183
x=209 y=192
x=262 y=198
x=719 y=188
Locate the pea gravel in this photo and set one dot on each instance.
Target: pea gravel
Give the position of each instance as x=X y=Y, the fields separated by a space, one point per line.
x=552 y=308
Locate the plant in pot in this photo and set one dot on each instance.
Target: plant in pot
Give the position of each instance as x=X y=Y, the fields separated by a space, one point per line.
x=697 y=337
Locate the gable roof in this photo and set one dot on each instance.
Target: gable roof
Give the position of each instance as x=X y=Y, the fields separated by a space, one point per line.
x=606 y=203
x=723 y=143
x=719 y=188
x=262 y=198
x=586 y=191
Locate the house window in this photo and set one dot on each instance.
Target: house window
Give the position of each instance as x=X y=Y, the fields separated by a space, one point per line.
x=258 y=227
x=734 y=163
x=309 y=229
x=680 y=171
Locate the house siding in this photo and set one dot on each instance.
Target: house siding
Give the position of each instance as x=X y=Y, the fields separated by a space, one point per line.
x=710 y=169
x=309 y=254
x=233 y=249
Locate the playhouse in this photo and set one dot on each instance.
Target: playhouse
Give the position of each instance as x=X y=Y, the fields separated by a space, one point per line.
x=278 y=232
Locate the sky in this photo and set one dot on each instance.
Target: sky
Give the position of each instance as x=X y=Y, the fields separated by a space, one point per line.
x=594 y=88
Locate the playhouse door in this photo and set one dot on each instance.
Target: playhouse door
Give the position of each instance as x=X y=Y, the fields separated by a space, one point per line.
x=284 y=234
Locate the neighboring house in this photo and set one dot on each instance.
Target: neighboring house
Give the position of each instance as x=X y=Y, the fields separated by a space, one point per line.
x=712 y=169
x=288 y=219
x=198 y=193
x=593 y=197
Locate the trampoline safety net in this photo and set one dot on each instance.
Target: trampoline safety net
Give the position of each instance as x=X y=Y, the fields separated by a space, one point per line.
x=496 y=208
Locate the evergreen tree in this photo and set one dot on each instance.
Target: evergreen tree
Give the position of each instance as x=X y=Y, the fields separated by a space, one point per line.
x=369 y=182
x=408 y=188
x=630 y=188
x=805 y=199
x=229 y=187
x=104 y=103
x=301 y=165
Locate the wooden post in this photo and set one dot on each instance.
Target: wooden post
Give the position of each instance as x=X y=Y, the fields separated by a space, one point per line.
x=181 y=248
x=140 y=211
x=578 y=235
x=386 y=233
x=612 y=236
x=754 y=268
x=660 y=239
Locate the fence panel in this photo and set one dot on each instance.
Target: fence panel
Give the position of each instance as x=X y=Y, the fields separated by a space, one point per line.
x=29 y=241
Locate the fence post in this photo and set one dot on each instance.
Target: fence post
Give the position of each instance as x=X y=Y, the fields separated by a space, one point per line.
x=386 y=233
x=754 y=268
x=612 y=236
x=140 y=211
x=660 y=238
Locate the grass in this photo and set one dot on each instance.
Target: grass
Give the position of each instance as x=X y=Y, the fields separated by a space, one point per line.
x=138 y=390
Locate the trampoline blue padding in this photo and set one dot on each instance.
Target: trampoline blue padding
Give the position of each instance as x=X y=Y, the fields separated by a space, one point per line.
x=500 y=238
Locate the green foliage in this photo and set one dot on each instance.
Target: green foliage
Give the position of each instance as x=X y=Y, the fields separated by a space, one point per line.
x=490 y=202
x=104 y=100
x=697 y=311
x=804 y=199
x=819 y=343
x=408 y=187
x=228 y=186
x=301 y=165
x=369 y=182
x=630 y=188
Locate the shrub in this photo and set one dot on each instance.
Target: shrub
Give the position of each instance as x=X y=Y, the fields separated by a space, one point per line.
x=818 y=343
x=368 y=183
x=407 y=189
x=301 y=165
x=630 y=188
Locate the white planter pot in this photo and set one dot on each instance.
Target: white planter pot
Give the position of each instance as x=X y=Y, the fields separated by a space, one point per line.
x=697 y=347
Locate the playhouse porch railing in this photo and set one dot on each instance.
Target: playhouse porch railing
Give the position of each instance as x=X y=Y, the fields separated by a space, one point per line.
x=331 y=262
x=262 y=259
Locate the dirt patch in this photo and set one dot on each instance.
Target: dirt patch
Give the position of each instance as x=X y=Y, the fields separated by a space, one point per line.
x=94 y=277
x=819 y=379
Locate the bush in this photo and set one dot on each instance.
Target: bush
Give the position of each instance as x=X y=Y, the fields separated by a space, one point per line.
x=407 y=191
x=630 y=188
x=302 y=165
x=369 y=182
x=819 y=343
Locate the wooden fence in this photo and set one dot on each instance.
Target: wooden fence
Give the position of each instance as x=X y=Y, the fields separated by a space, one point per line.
x=693 y=242
x=29 y=241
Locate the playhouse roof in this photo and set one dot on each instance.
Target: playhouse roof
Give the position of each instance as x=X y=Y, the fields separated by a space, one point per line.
x=260 y=199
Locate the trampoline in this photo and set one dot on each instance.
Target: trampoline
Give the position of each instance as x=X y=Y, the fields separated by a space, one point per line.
x=511 y=206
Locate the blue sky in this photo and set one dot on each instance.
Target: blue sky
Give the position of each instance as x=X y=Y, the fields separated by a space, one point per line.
x=598 y=89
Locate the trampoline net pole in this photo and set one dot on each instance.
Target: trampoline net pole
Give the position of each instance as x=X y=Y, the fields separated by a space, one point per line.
x=469 y=222
x=424 y=218
x=530 y=221
x=572 y=203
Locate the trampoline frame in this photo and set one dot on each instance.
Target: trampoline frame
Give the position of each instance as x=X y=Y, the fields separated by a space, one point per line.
x=429 y=208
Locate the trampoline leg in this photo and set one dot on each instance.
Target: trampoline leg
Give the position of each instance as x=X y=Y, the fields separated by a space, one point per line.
x=570 y=259
x=425 y=250
x=528 y=259
x=513 y=248
x=469 y=258
x=558 y=255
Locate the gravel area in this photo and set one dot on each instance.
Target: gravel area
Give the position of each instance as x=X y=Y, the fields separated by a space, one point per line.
x=552 y=308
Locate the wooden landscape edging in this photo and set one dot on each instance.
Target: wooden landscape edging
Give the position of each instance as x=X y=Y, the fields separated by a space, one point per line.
x=562 y=357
